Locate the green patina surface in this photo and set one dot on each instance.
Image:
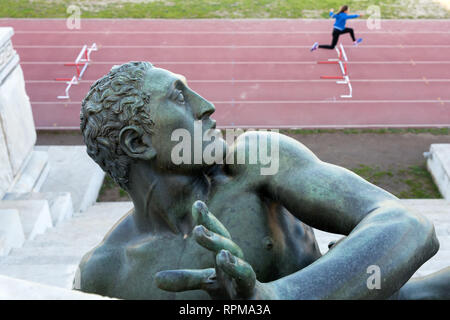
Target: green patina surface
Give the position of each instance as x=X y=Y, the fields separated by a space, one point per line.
x=256 y=226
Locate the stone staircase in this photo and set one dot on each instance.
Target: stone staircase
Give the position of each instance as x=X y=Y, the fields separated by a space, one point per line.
x=16 y=289
x=52 y=258
x=47 y=190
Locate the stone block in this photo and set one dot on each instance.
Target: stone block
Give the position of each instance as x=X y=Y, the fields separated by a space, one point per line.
x=438 y=163
x=33 y=174
x=60 y=203
x=53 y=274
x=16 y=118
x=34 y=215
x=5 y=34
x=72 y=170
x=8 y=60
x=11 y=231
x=16 y=289
x=6 y=173
x=8 y=56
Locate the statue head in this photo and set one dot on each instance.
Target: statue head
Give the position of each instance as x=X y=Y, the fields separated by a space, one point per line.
x=129 y=116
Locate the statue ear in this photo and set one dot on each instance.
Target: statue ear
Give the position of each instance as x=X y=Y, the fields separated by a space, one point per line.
x=132 y=142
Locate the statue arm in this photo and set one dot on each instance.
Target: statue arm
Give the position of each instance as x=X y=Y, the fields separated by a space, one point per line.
x=381 y=232
x=388 y=244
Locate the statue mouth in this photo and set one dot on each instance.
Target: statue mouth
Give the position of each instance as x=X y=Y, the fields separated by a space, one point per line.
x=210 y=122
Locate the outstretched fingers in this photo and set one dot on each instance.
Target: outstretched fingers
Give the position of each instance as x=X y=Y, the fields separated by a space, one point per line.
x=182 y=280
x=240 y=271
x=215 y=242
x=202 y=216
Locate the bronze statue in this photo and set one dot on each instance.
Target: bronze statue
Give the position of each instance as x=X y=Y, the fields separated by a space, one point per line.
x=226 y=231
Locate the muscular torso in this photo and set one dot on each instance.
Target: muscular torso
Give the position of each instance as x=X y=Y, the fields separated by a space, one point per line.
x=273 y=241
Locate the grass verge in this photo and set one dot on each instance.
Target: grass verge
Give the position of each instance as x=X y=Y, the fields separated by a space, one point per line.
x=413 y=182
x=110 y=191
x=198 y=9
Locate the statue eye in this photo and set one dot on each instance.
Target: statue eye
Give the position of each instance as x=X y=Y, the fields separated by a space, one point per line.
x=178 y=96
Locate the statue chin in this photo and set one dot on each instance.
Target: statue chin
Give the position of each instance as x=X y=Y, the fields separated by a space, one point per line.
x=211 y=153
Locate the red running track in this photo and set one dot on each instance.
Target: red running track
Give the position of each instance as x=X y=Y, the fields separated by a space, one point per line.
x=258 y=73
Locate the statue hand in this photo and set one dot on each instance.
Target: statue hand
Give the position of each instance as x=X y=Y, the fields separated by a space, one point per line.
x=232 y=277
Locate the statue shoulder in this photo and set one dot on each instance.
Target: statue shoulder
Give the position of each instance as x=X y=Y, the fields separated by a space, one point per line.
x=122 y=231
x=96 y=268
x=263 y=153
x=103 y=262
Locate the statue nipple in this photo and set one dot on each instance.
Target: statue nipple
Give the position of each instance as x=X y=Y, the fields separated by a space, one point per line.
x=268 y=243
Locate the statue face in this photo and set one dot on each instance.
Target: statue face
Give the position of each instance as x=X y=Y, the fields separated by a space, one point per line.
x=174 y=106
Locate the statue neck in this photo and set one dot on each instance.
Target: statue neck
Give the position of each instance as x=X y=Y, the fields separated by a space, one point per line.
x=163 y=199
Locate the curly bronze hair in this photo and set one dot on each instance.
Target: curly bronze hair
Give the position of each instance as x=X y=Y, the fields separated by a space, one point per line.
x=112 y=103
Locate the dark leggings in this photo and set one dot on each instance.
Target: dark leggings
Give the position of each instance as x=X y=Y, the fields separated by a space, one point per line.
x=336 y=34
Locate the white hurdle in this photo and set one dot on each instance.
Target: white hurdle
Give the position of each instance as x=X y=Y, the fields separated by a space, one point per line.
x=86 y=52
x=343 y=67
x=73 y=81
x=342 y=61
x=81 y=63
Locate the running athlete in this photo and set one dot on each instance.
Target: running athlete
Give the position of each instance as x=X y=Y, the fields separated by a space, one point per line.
x=339 y=28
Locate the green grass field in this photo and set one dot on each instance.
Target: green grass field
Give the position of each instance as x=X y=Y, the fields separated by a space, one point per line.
x=412 y=182
x=192 y=9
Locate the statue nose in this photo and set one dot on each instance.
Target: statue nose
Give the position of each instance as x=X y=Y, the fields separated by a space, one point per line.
x=206 y=109
x=201 y=107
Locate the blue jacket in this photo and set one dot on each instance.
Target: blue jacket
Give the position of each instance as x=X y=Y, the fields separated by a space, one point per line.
x=341 y=18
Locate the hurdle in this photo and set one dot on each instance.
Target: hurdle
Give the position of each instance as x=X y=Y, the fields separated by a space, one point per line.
x=342 y=62
x=72 y=81
x=81 y=63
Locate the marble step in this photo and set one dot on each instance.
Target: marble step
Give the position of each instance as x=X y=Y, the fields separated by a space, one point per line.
x=34 y=215
x=438 y=164
x=11 y=231
x=16 y=289
x=43 y=258
x=54 y=274
x=60 y=203
x=33 y=174
x=45 y=253
x=73 y=171
x=87 y=229
x=43 y=190
x=52 y=258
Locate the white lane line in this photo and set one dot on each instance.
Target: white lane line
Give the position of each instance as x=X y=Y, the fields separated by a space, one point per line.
x=332 y=101
x=292 y=126
x=317 y=80
x=286 y=101
x=231 y=46
x=238 y=62
x=337 y=126
x=75 y=32
x=273 y=81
